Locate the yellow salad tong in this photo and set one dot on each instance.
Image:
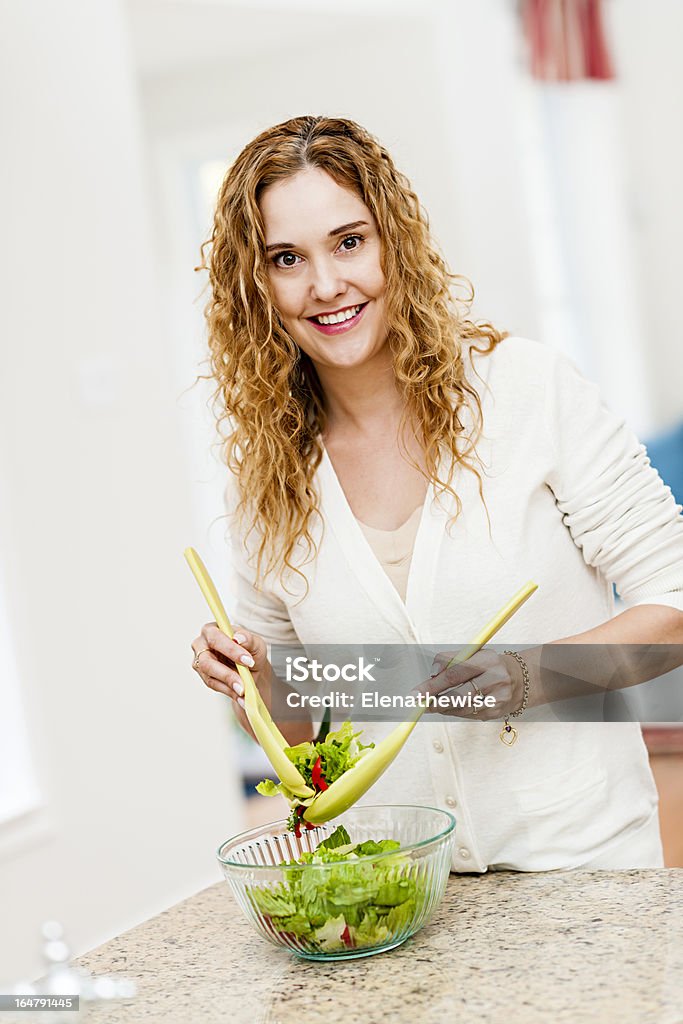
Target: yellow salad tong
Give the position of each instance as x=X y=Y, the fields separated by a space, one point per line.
x=347 y=789
x=265 y=729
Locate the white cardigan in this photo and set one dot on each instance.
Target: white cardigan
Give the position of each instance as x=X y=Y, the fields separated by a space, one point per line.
x=574 y=505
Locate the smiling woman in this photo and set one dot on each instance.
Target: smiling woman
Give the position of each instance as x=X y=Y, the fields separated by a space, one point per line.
x=330 y=282
x=395 y=471
x=313 y=220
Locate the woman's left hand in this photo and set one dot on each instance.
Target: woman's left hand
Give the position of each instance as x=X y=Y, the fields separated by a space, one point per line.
x=485 y=674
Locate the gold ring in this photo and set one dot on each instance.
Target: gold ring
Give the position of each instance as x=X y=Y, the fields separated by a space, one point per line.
x=195 y=663
x=477 y=693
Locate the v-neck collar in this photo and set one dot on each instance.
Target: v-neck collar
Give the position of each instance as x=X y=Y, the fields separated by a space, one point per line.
x=408 y=617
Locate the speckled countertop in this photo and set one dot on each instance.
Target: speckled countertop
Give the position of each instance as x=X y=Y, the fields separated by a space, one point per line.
x=579 y=946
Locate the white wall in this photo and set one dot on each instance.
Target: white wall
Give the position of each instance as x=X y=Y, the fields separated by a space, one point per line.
x=476 y=53
x=133 y=755
x=646 y=41
x=394 y=98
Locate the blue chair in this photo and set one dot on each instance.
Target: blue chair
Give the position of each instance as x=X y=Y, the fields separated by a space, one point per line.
x=666 y=455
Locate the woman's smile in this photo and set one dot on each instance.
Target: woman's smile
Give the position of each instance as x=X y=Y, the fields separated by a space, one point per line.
x=338 y=321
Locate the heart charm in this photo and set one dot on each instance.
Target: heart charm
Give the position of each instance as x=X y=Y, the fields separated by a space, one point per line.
x=508 y=735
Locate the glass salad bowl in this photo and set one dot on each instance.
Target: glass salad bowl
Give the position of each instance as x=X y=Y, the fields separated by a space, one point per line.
x=357 y=894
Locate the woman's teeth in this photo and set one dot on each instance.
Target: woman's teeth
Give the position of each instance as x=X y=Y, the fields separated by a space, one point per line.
x=338 y=318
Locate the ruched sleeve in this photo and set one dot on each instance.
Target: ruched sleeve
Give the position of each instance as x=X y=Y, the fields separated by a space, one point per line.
x=619 y=512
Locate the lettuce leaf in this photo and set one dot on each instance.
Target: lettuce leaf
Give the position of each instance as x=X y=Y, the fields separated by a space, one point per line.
x=340 y=837
x=353 y=903
x=329 y=935
x=336 y=752
x=369 y=847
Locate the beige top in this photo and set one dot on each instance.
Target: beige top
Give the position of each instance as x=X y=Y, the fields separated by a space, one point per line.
x=393 y=549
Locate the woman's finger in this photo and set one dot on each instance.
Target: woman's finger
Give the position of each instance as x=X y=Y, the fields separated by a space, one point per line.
x=448 y=679
x=236 y=652
x=493 y=685
x=243 y=637
x=217 y=675
x=232 y=689
x=201 y=650
x=482 y=660
x=483 y=675
x=246 y=643
x=455 y=675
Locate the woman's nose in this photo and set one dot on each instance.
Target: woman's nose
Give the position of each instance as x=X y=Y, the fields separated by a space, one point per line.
x=326 y=282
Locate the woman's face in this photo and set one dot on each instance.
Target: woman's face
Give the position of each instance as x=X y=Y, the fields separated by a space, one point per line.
x=323 y=250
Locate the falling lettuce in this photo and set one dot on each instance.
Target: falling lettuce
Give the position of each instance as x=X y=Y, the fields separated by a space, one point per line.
x=320 y=764
x=353 y=904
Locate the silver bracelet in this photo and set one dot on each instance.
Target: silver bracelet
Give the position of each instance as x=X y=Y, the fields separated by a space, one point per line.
x=508 y=734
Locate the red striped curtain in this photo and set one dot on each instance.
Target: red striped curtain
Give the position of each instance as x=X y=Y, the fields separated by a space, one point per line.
x=566 y=39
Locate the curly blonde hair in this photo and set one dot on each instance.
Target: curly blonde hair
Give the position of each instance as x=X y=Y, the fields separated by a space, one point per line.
x=268 y=391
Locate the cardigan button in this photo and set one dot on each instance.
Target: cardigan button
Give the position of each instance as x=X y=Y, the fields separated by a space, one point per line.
x=438 y=747
x=464 y=853
x=451 y=801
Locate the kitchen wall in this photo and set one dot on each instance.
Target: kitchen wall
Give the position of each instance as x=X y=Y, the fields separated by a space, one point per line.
x=134 y=760
x=646 y=40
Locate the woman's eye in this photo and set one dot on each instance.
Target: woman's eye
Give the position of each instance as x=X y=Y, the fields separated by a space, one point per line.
x=285 y=259
x=356 y=240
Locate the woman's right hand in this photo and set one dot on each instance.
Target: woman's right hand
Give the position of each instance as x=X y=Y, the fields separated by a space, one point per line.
x=216 y=657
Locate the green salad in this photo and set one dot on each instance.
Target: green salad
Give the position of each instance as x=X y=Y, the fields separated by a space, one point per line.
x=320 y=763
x=355 y=903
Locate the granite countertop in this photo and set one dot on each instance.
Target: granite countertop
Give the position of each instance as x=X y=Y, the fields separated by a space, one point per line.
x=577 y=946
